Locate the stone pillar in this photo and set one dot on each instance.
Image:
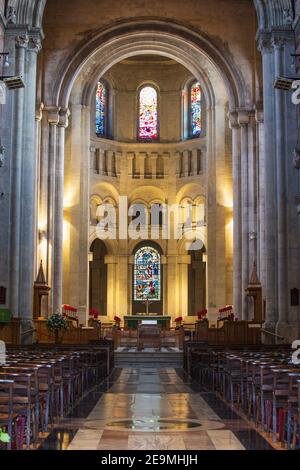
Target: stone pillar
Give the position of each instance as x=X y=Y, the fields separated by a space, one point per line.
x=59 y=211
x=194 y=162
x=118 y=157
x=166 y=160
x=22 y=42
x=101 y=162
x=173 y=286
x=153 y=162
x=53 y=120
x=261 y=261
x=28 y=192
x=237 y=214
x=183 y=263
x=186 y=155
x=245 y=273
x=269 y=183
x=130 y=159
x=177 y=158
x=141 y=164
x=123 y=285
x=93 y=160
x=110 y=156
x=111 y=262
x=282 y=245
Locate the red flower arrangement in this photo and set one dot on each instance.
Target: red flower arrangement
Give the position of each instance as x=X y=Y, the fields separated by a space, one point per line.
x=68 y=308
x=94 y=313
x=202 y=314
x=117 y=319
x=178 y=320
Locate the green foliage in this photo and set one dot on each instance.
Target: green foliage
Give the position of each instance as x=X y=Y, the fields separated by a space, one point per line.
x=4 y=437
x=57 y=322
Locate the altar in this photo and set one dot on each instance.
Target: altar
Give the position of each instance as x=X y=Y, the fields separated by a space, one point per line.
x=132 y=322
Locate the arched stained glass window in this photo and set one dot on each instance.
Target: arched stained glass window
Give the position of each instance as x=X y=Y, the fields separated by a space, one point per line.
x=147 y=278
x=196 y=115
x=101 y=109
x=148 y=114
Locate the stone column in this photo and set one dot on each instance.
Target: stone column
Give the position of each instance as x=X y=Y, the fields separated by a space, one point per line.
x=141 y=164
x=22 y=42
x=269 y=183
x=93 y=160
x=153 y=160
x=130 y=159
x=166 y=160
x=282 y=245
x=59 y=211
x=111 y=262
x=194 y=162
x=28 y=192
x=186 y=163
x=244 y=122
x=237 y=215
x=101 y=162
x=261 y=262
x=110 y=156
x=118 y=157
x=53 y=120
x=183 y=262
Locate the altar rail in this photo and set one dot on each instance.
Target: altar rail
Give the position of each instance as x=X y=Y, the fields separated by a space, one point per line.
x=232 y=332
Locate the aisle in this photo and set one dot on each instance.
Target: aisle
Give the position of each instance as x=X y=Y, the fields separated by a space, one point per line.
x=153 y=409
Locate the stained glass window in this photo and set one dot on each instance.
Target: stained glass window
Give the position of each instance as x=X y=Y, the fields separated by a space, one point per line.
x=147 y=274
x=101 y=109
x=196 y=124
x=148 y=116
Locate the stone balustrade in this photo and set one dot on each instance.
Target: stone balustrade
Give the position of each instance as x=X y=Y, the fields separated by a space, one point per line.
x=148 y=160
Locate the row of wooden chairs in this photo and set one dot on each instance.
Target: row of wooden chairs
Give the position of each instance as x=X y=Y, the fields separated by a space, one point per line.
x=38 y=387
x=263 y=384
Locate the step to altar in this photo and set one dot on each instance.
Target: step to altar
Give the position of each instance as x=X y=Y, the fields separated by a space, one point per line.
x=131 y=356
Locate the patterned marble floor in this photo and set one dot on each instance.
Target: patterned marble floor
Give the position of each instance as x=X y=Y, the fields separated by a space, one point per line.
x=147 y=408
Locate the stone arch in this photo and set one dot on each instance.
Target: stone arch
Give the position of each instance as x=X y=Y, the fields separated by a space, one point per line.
x=174 y=40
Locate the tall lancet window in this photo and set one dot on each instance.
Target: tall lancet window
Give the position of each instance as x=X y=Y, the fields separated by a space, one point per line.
x=147 y=280
x=101 y=109
x=195 y=111
x=148 y=114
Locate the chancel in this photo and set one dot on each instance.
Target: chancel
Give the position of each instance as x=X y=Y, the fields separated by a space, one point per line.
x=149 y=225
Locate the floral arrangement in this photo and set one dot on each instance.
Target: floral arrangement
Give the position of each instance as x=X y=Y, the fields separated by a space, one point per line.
x=68 y=308
x=202 y=314
x=57 y=322
x=94 y=313
x=4 y=437
x=117 y=319
x=178 y=320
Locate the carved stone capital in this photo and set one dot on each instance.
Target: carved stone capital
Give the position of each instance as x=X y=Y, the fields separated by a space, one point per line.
x=244 y=116
x=64 y=114
x=264 y=43
x=22 y=41
x=39 y=111
x=259 y=116
x=53 y=114
x=296 y=159
x=233 y=120
x=35 y=45
x=278 y=42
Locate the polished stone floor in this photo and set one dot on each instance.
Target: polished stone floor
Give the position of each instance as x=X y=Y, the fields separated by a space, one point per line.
x=148 y=408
